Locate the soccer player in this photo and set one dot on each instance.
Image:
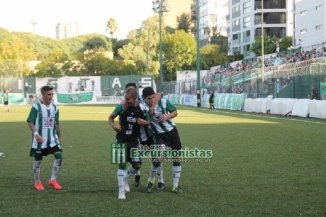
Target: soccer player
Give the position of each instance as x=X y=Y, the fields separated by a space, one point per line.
x=164 y=128
x=146 y=139
x=128 y=132
x=43 y=121
x=6 y=101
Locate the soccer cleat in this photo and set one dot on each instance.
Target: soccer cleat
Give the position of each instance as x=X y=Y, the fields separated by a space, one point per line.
x=126 y=186
x=149 y=186
x=122 y=194
x=177 y=190
x=55 y=184
x=137 y=180
x=160 y=186
x=39 y=186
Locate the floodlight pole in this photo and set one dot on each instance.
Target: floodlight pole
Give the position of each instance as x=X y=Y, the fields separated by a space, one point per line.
x=159 y=8
x=198 y=54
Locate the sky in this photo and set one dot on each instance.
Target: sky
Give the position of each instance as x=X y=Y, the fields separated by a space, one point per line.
x=91 y=15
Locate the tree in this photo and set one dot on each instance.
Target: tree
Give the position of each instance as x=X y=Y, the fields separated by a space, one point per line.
x=211 y=56
x=134 y=53
x=112 y=26
x=270 y=44
x=142 y=48
x=14 y=54
x=55 y=65
x=117 y=45
x=285 y=43
x=269 y=47
x=221 y=41
x=179 y=51
x=184 y=22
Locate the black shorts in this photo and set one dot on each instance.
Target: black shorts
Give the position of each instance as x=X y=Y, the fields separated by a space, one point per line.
x=44 y=152
x=148 y=142
x=6 y=103
x=170 y=139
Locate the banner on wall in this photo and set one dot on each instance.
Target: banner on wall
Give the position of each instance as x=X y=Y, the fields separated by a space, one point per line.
x=229 y=101
x=75 y=98
x=13 y=98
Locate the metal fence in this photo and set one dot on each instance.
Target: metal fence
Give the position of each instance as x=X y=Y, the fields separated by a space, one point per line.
x=296 y=80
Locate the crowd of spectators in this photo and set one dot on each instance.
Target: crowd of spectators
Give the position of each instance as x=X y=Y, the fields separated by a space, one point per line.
x=213 y=81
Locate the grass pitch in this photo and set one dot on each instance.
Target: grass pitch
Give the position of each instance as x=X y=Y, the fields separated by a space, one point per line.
x=261 y=166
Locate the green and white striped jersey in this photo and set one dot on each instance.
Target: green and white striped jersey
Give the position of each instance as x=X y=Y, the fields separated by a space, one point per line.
x=164 y=106
x=45 y=120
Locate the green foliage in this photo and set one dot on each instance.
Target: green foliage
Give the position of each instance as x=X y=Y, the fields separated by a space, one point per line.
x=211 y=56
x=43 y=46
x=179 y=51
x=269 y=47
x=221 y=41
x=96 y=62
x=112 y=26
x=117 y=45
x=285 y=43
x=142 y=47
x=55 y=65
x=184 y=22
x=13 y=55
x=270 y=44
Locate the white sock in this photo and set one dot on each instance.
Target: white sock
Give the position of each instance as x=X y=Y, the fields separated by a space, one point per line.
x=152 y=174
x=130 y=172
x=121 y=177
x=159 y=173
x=56 y=169
x=176 y=175
x=37 y=171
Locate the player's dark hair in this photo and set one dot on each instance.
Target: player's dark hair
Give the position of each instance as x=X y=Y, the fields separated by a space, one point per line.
x=147 y=91
x=132 y=92
x=131 y=84
x=45 y=89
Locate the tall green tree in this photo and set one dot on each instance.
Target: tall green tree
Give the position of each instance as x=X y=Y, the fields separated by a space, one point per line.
x=14 y=57
x=112 y=26
x=212 y=56
x=142 y=48
x=256 y=47
x=179 y=51
x=55 y=65
x=221 y=41
x=184 y=22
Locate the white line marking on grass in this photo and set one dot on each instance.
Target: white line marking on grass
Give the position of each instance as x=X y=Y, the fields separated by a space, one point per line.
x=265 y=116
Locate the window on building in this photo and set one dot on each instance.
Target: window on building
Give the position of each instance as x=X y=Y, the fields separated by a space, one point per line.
x=236 y=11
x=246 y=22
x=236 y=25
x=236 y=38
x=246 y=36
x=246 y=8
